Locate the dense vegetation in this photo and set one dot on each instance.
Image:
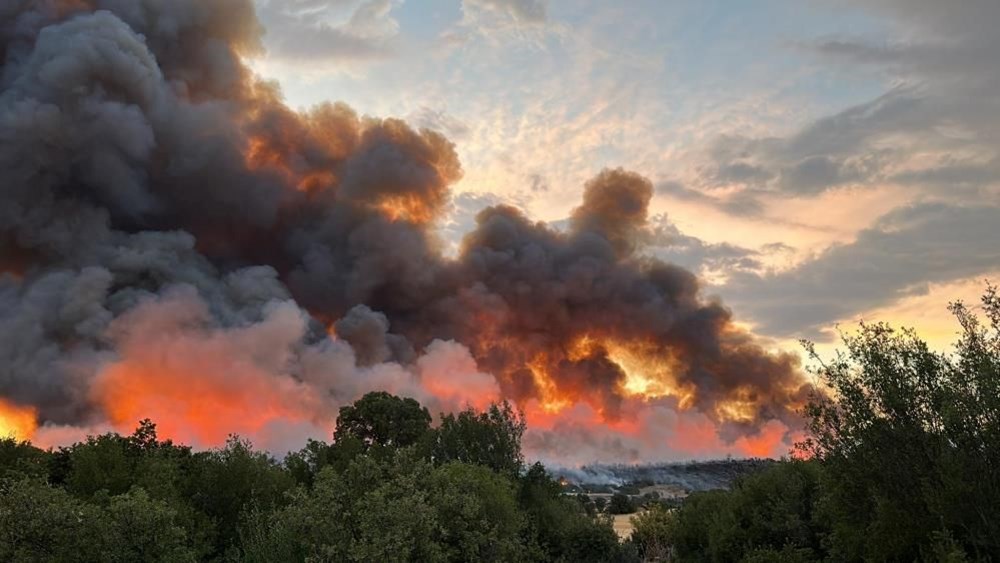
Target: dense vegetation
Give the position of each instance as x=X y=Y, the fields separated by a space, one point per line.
x=389 y=488
x=899 y=466
x=903 y=456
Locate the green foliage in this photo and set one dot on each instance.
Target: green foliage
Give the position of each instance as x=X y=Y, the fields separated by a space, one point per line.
x=653 y=533
x=765 y=512
x=21 y=458
x=305 y=464
x=101 y=464
x=903 y=442
x=454 y=494
x=401 y=509
x=588 y=505
x=558 y=526
x=111 y=464
x=787 y=554
x=491 y=438
x=381 y=419
x=909 y=440
x=43 y=523
x=621 y=504
x=142 y=529
x=222 y=484
x=478 y=513
x=375 y=494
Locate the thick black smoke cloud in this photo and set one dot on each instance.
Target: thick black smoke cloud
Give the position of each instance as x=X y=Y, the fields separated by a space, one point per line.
x=138 y=154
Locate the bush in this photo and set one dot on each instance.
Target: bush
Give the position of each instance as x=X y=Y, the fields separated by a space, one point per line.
x=652 y=533
x=621 y=504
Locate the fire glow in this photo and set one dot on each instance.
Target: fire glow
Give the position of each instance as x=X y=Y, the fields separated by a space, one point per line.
x=211 y=259
x=17 y=422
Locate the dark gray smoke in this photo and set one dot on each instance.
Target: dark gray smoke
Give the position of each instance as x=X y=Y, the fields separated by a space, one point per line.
x=139 y=158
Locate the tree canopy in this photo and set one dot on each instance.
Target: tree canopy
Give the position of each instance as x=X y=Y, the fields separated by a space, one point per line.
x=381 y=419
x=388 y=488
x=902 y=448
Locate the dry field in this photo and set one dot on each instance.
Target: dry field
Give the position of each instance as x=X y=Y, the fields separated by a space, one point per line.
x=623 y=525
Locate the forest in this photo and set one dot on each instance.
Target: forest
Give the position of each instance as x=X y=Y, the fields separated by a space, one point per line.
x=898 y=466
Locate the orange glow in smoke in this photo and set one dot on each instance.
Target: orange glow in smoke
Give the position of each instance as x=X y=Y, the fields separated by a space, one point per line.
x=647 y=371
x=548 y=393
x=65 y=8
x=200 y=386
x=649 y=374
x=406 y=208
x=768 y=443
x=261 y=153
x=17 y=422
x=741 y=408
x=648 y=378
x=192 y=409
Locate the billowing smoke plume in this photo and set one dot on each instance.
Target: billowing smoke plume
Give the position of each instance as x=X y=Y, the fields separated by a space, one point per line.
x=176 y=243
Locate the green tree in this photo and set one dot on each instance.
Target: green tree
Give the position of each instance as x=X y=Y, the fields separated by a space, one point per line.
x=111 y=464
x=19 y=458
x=477 y=512
x=770 y=510
x=43 y=523
x=700 y=515
x=222 y=484
x=909 y=439
x=491 y=438
x=558 y=528
x=381 y=419
x=39 y=522
x=379 y=509
x=787 y=554
x=621 y=504
x=305 y=464
x=652 y=533
x=144 y=529
x=102 y=464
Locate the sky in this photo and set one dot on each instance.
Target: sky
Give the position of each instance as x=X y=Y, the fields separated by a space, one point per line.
x=818 y=163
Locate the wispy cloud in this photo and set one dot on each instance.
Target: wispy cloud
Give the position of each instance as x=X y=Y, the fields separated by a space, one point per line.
x=311 y=31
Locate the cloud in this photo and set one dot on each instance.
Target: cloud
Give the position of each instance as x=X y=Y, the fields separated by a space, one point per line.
x=936 y=123
x=328 y=30
x=439 y=120
x=899 y=256
x=930 y=138
x=522 y=12
x=668 y=243
x=847 y=148
x=494 y=20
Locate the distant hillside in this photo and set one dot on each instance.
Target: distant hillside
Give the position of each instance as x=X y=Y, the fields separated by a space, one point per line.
x=689 y=476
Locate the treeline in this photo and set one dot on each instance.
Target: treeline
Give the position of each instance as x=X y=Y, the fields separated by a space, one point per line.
x=389 y=488
x=903 y=452
x=904 y=464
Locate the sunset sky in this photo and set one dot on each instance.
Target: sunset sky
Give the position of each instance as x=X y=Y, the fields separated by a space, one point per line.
x=817 y=162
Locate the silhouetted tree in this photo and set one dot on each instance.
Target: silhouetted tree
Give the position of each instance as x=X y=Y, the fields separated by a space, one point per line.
x=621 y=504
x=491 y=438
x=381 y=419
x=909 y=439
